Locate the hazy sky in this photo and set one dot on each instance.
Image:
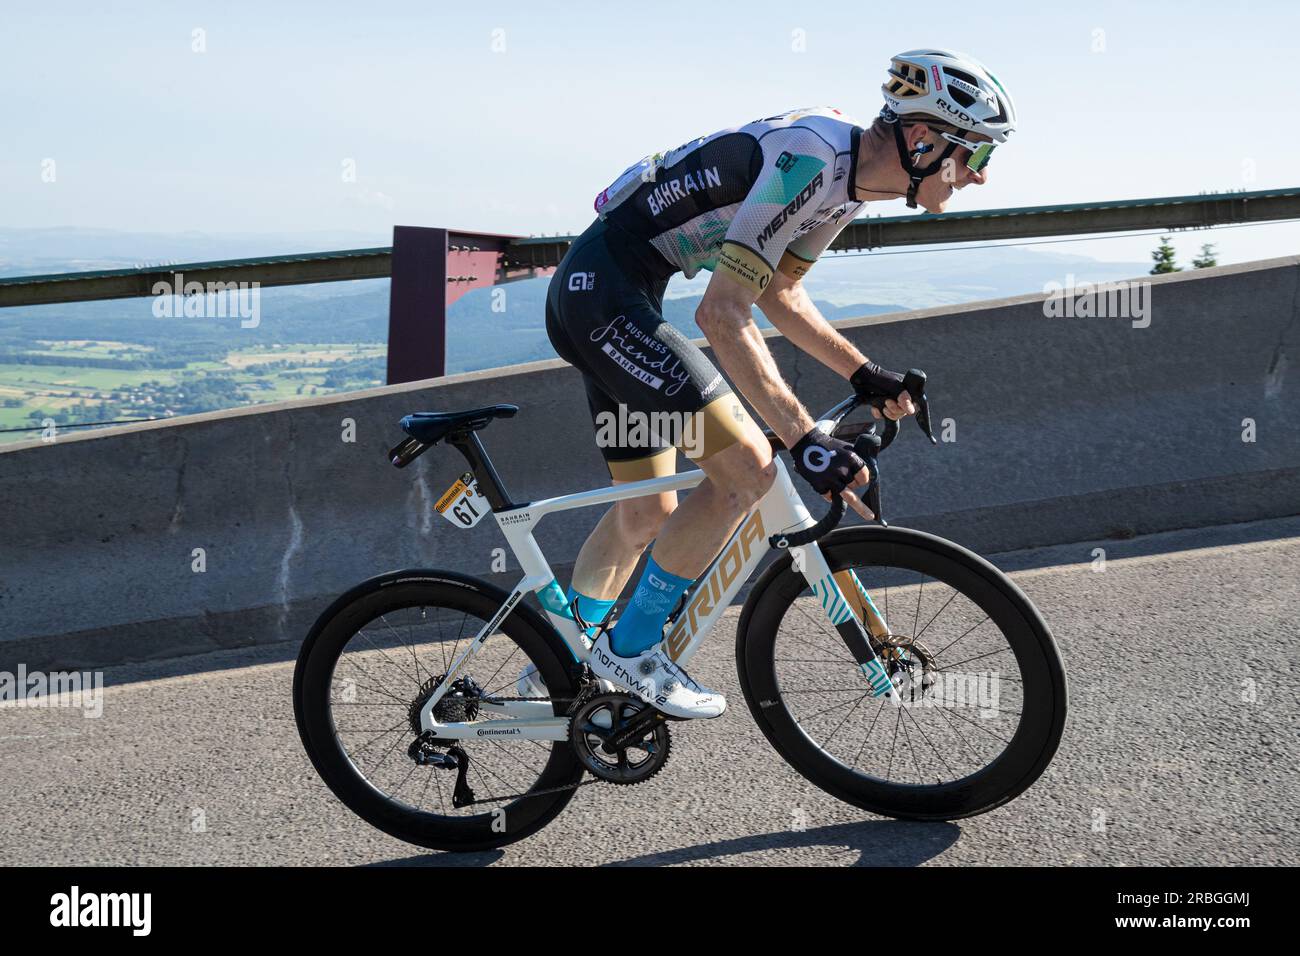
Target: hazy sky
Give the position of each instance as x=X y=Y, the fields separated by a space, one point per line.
x=511 y=116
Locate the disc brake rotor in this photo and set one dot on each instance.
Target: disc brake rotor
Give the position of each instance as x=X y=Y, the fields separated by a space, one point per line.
x=910 y=665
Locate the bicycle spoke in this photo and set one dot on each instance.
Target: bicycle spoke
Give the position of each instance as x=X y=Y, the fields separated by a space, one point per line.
x=922 y=748
x=920 y=730
x=938 y=652
x=823 y=690
x=919 y=594
x=835 y=707
x=916 y=635
x=978 y=657
x=818 y=628
x=845 y=718
x=388 y=752
x=812 y=660
x=383 y=693
x=879 y=711
x=382 y=733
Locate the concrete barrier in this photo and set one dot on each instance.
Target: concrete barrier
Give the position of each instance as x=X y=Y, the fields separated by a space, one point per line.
x=1056 y=429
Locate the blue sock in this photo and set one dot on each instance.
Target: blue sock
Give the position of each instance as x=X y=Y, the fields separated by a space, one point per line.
x=642 y=624
x=590 y=609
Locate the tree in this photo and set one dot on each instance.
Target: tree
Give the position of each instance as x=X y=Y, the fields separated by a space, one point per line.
x=1164 y=258
x=1206 y=259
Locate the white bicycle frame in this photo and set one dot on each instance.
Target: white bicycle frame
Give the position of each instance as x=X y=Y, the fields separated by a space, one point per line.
x=843 y=599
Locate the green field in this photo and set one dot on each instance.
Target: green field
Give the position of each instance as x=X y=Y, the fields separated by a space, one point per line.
x=253 y=375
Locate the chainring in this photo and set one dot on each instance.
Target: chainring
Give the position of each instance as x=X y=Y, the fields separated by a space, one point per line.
x=594 y=717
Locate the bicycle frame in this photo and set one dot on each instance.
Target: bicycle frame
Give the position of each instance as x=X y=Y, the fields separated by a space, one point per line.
x=845 y=602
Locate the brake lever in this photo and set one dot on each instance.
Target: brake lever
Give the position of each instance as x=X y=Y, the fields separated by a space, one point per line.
x=914 y=385
x=868 y=446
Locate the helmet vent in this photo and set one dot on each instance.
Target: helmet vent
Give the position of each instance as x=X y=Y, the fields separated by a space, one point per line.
x=962 y=75
x=907 y=79
x=961 y=96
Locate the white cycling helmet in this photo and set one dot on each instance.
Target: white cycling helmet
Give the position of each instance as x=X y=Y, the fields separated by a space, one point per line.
x=953 y=87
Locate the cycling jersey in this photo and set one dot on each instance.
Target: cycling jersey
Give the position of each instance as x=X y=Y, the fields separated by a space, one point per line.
x=604 y=316
x=768 y=195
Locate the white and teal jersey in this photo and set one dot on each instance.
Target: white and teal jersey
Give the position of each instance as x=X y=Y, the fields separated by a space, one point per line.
x=769 y=195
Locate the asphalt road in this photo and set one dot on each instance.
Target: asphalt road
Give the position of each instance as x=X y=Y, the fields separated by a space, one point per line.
x=1181 y=748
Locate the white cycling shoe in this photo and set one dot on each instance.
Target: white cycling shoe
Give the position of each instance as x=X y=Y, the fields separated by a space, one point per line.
x=654 y=678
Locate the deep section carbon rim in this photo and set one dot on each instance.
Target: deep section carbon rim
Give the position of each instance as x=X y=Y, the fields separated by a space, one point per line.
x=388 y=667
x=959 y=678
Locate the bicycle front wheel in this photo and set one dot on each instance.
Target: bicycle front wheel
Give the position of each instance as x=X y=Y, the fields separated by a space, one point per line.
x=981 y=684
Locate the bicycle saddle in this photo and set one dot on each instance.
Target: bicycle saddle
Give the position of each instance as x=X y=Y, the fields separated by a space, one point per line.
x=430 y=428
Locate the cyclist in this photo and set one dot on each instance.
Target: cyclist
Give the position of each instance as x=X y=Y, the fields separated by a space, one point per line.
x=756 y=205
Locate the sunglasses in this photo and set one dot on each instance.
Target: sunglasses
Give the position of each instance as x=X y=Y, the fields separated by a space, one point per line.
x=980 y=153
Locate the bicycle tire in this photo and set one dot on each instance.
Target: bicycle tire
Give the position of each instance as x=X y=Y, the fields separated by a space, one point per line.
x=431 y=589
x=1045 y=689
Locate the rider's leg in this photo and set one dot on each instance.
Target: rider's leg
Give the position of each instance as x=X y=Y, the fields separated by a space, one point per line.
x=611 y=552
x=692 y=536
x=738 y=477
x=634 y=362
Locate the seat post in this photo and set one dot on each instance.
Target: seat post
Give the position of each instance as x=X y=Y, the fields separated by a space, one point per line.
x=489 y=482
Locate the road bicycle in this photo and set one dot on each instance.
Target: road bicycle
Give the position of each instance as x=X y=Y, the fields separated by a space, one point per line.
x=895 y=670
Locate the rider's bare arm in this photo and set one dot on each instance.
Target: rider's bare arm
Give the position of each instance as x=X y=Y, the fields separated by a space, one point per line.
x=788 y=306
x=725 y=318
x=791 y=310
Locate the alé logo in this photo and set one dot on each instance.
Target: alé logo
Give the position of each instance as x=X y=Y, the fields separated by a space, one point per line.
x=708 y=594
x=582 y=282
x=816 y=458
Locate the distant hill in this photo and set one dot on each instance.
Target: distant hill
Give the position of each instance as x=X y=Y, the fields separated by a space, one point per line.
x=478 y=337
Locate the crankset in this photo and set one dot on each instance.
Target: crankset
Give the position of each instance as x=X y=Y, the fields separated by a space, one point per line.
x=617 y=737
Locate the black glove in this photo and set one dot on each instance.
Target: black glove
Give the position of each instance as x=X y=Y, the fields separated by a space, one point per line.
x=872 y=381
x=827 y=463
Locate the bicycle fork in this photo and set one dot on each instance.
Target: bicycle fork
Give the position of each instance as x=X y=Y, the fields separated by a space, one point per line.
x=853 y=614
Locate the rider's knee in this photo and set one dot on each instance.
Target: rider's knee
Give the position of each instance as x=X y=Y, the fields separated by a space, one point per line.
x=640 y=519
x=750 y=474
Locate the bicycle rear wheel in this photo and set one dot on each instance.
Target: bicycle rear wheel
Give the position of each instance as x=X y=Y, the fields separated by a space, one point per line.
x=982 y=684
x=369 y=662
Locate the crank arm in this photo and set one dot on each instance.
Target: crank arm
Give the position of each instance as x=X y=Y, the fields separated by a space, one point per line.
x=634 y=731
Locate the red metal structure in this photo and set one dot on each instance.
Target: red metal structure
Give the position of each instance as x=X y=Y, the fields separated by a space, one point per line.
x=431 y=269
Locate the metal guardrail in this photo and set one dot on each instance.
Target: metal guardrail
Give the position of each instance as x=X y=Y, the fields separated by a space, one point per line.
x=133 y=283
x=521 y=258
x=1124 y=215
